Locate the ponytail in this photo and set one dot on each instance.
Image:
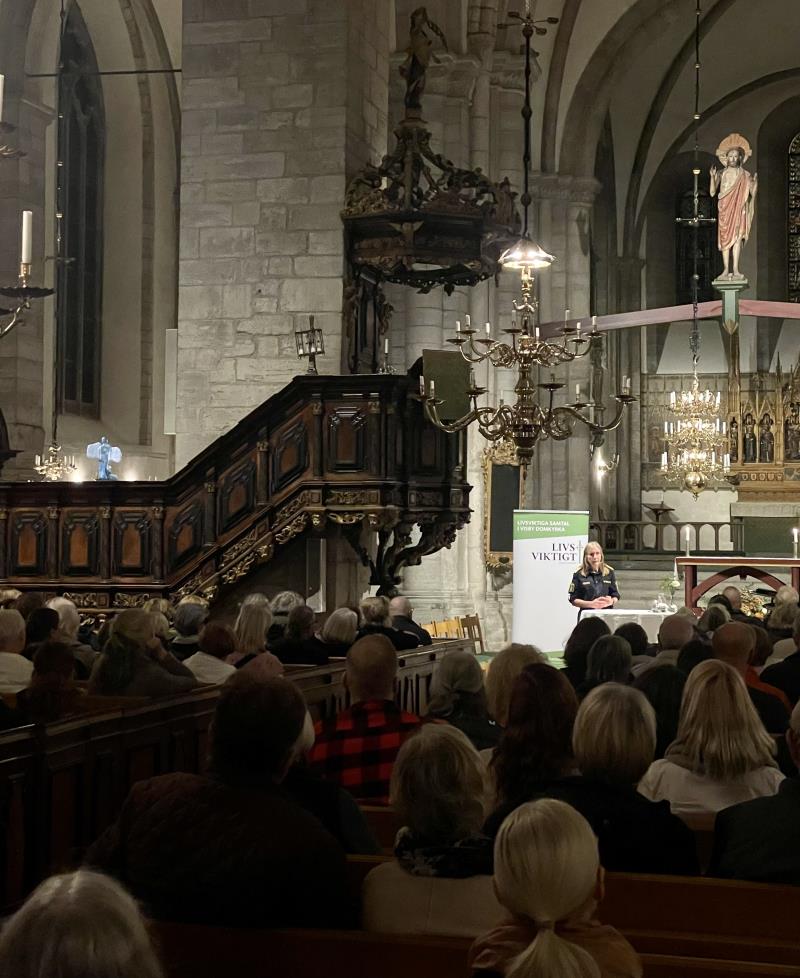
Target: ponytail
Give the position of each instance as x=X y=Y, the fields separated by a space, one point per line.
x=550 y=954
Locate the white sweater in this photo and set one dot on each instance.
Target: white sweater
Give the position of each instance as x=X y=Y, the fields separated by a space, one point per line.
x=689 y=793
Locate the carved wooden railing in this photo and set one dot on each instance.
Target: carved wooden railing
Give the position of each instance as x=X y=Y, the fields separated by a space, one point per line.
x=349 y=454
x=646 y=536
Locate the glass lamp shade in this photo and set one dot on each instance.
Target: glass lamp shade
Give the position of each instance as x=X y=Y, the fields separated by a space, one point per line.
x=525 y=253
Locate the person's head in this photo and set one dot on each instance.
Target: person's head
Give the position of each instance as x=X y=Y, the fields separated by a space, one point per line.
x=438 y=786
x=502 y=674
x=160 y=605
x=793 y=736
x=663 y=687
x=54 y=659
x=375 y=611
x=719 y=732
x=161 y=627
x=78 y=925
x=300 y=623
x=42 y=625
x=581 y=639
x=635 y=636
x=734 y=595
x=692 y=653
x=194 y=599
x=256 y=725
x=217 y=639
x=609 y=661
x=9 y=597
x=786 y=595
x=723 y=600
x=762 y=650
x=69 y=621
x=189 y=619
x=783 y=615
x=252 y=625
x=536 y=745
x=400 y=607
x=257 y=597
x=614 y=739
x=371 y=668
x=131 y=633
x=28 y=601
x=734 y=643
x=547 y=867
x=282 y=604
x=715 y=616
x=12 y=631
x=135 y=626
x=592 y=557
x=51 y=693
x=457 y=677
x=675 y=631
x=340 y=627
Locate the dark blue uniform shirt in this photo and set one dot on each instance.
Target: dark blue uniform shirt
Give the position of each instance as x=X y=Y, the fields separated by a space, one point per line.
x=594 y=584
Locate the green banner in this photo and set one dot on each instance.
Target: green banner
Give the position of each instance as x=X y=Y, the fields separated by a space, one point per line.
x=543 y=525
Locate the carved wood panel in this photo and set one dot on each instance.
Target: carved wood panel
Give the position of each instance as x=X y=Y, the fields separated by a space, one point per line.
x=28 y=543
x=80 y=543
x=185 y=535
x=236 y=494
x=131 y=543
x=347 y=438
x=289 y=456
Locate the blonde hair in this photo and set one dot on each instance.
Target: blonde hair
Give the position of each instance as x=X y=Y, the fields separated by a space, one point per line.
x=78 y=925
x=585 y=566
x=786 y=595
x=614 y=738
x=252 y=625
x=375 y=611
x=783 y=615
x=160 y=605
x=503 y=670
x=135 y=625
x=160 y=625
x=546 y=864
x=193 y=599
x=719 y=732
x=715 y=616
x=438 y=786
x=283 y=602
x=340 y=626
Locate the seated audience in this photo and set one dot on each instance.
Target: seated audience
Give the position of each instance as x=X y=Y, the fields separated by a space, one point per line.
x=785 y=674
x=334 y=638
x=134 y=663
x=188 y=620
x=29 y=601
x=232 y=847
x=252 y=624
x=293 y=648
x=9 y=597
x=160 y=605
x=401 y=612
x=760 y=839
x=536 y=746
x=609 y=661
x=458 y=696
x=781 y=620
x=548 y=876
x=15 y=669
x=52 y=693
x=376 y=621
x=161 y=629
x=280 y=606
x=69 y=623
x=722 y=754
x=441 y=879
x=734 y=596
x=734 y=644
x=723 y=600
x=576 y=651
x=208 y=665
x=663 y=688
x=42 y=626
x=674 y=632
x=693 y=653
x=78 y=925
x=357 y=747
x=636 y=637
x=715 y=616
x=504 y=667
x=761 y=653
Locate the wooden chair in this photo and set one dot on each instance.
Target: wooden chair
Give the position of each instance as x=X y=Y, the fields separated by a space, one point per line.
x=430 y=628
x=471 y=628
x=449 y=628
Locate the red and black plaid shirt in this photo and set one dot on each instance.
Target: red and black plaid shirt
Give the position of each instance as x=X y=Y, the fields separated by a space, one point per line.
x=357 y=747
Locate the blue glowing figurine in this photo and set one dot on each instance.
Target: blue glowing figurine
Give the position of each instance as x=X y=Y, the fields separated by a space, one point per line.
x=105 y=455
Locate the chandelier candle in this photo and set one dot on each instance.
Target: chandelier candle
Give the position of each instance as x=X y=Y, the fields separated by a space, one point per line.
x=27 y=238
x=687 y=534
x=795 y=540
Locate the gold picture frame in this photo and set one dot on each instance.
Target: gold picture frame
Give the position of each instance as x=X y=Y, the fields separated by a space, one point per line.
x=503 y=492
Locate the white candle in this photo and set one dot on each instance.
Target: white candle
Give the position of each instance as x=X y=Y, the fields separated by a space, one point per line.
x=386 y=346
x=2 y=84
x=421 y=386
x=796 y=534
x=472 y=383
x=578 y=328
x=458 y=325
x=577 y=392
x=594 y=322
x=433 y=388
x=488 y=328
x=566 y=315
x=687 y=533
x=466 y=319
x=626 y=385
x=666 y=427
x=672 y=399
x=27 y=237
x=536 y=332
x=664 y=461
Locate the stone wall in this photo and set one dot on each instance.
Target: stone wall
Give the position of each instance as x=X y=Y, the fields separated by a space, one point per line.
x=282 y=101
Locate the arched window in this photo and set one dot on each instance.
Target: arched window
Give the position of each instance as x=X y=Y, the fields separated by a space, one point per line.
x=793 y=223
x=81 y=151
x=707 y=254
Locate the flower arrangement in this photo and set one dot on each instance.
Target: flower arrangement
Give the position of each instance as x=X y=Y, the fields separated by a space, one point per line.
x=752 y=603
x=670 y=585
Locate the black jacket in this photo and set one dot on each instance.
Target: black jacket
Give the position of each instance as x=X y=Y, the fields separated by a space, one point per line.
x=760 y=839
x=403 y=624
x=402 y=641
x=785 y=675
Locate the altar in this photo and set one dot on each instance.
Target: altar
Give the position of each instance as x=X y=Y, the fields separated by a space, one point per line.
x=614 y=617
x=763 y=569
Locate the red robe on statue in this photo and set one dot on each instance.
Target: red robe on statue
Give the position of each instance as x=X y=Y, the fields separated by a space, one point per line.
x=734 y=212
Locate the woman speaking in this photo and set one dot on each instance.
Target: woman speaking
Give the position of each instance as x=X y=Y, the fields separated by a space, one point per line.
x=593 y=583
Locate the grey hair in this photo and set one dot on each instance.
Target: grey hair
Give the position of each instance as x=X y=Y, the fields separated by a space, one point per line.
x=438 y=786
x=12 y=628
x=78 y=925
x=283 y=602
x=189 y=618
x=69 y=621
x=340 y=626
x=455 y=673
x=783 y=615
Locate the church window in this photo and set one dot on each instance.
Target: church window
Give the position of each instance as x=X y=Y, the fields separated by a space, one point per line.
x=81 y=151
x=794 y=219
